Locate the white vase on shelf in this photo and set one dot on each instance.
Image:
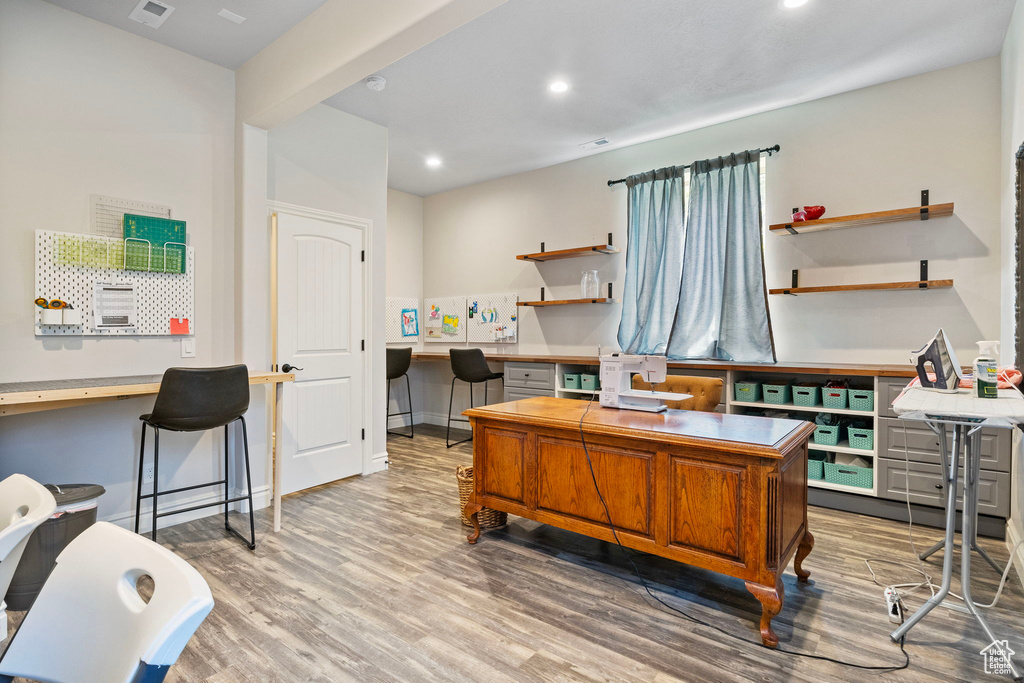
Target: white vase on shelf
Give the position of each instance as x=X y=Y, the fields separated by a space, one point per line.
x=589 y=285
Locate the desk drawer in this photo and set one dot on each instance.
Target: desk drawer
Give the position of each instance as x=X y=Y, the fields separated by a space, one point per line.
x=925 y=482
x=923 y=444
x=530 y=375
x=518 y=393
x=888 y=389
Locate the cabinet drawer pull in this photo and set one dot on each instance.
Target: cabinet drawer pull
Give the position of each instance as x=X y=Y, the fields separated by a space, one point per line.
x=938 y=486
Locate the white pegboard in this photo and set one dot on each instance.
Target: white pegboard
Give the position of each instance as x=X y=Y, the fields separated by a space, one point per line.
x=395 y=308
x=492 y=318
x=107 y=214
x=434 y=313
x=160 y=296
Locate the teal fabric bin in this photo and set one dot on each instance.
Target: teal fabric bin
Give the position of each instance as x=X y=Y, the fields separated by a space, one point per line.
x=806 y=397
x=776 y=394
x=833 y=398
x=861 y=438
x=826 y=435
x=861 y=399
x=747 y=391
x=849 y=475
x=816 y=465
x=572 y=380
x=590 y=382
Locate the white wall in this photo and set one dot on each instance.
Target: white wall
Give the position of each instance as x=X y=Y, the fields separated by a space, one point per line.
x=329 y=160
x=1012 y=137
x=405 y=244
x=86 y=108
x=866 y=150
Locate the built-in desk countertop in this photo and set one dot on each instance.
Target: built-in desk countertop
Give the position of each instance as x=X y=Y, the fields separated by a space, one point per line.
x=30 y=397
x=863 y=369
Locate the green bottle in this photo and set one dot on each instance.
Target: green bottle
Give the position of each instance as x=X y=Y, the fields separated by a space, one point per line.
x=986 y=370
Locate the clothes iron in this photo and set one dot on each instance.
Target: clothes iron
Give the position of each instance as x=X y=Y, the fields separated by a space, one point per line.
x=939 y=354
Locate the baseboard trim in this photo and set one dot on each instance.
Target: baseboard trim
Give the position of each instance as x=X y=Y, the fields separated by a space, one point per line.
x=378 y=462
x=1013 y=537
x=260 y=499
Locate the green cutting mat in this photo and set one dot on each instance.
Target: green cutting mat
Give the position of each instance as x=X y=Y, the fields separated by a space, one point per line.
x=158 y=232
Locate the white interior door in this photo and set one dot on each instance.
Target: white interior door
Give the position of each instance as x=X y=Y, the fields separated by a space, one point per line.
x=320 y=329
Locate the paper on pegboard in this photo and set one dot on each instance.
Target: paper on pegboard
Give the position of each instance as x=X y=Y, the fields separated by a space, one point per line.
x=492 y=318
x=398 y=327
x=444 y=319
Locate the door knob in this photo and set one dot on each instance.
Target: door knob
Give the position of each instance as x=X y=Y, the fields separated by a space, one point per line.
x=288 y=368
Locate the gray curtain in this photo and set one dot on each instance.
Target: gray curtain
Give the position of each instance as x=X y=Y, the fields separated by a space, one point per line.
x=695 y=284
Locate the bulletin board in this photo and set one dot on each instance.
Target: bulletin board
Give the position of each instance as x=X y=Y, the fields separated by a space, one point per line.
x=403 y=320
x=492 y=318
x=68 y=266
x=444 y=319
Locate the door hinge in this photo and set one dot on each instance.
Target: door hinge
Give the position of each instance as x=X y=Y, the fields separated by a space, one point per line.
x=362 y=344
x=363 y=434
x=362 y=255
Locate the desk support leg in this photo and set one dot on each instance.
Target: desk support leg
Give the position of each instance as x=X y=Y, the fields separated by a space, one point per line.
x=951 y=474
x=802 y=551
x=470 y=511
x=972 y=471
x=771 y=604
x=275 y=447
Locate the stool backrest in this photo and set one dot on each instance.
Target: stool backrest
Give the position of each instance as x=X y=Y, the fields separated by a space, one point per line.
x=706 y=391
x=24 y=505
x=194 y=399
x=90 y=624
x=470 y=365
x=399 y=361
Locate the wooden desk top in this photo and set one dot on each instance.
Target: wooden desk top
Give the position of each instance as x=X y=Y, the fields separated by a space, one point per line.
x=849 y=369
x=19 y=397
x=763 y=436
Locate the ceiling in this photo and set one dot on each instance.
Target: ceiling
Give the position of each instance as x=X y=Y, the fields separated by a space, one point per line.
x=195 y=28
x=640 y=70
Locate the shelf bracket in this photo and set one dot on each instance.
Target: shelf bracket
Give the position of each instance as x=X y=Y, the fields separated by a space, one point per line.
x=924 y=207
x=542 y=294
x=609 y=239
x=789 y=226
x=542 y=247
x=795 y=283
x=610 y=290
x=924 y=271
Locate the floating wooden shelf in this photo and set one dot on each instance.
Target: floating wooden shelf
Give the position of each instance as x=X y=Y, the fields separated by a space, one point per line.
x=859 y=219
x=566 y=302
x=914 y=284
x=569 y=253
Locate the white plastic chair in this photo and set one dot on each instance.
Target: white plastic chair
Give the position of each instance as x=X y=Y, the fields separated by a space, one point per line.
x=24 y=505
x=89 y=623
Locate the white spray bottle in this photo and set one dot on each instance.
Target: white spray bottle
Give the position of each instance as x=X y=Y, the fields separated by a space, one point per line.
x=986 y=370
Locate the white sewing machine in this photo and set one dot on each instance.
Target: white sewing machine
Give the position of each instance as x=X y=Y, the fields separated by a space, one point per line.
x=616 y=377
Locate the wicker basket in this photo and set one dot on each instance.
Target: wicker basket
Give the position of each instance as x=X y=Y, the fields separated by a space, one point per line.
x=487 y=517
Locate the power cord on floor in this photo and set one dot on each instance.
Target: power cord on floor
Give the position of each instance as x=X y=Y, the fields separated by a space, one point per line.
x=697 y=620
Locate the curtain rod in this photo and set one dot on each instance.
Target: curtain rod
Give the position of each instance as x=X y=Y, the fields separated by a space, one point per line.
x=769 y=150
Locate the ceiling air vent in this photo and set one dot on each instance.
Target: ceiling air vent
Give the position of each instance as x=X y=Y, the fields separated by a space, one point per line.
x=594 y=144
x=152 y=13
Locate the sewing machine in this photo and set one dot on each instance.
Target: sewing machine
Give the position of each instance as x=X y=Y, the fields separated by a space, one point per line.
x=616 y=377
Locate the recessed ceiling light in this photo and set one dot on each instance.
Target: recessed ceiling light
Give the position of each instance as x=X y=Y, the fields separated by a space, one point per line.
x=230 y=16
x=433 y=162
x=792 y=4
x=558 y=86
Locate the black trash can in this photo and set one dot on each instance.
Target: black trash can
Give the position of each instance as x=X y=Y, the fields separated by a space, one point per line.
x=76 y=512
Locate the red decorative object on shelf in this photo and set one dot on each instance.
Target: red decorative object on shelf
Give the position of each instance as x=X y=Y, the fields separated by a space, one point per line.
x=809 y=213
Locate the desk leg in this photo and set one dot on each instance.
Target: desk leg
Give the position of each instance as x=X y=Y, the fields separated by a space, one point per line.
x=471 y=510
x=771 y=604
x=802 y=551
x=950 y=468
x=275 y=445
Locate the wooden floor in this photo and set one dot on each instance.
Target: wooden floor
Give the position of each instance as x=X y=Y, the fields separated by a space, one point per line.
x=372 y=580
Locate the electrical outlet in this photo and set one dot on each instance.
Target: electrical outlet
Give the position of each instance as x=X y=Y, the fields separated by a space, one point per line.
x=188 y=347
x=147 y=473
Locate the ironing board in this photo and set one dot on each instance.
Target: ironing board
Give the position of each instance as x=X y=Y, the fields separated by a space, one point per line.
x=968 y=415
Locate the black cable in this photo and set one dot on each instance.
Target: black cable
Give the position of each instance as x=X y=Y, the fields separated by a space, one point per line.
x=697 y=620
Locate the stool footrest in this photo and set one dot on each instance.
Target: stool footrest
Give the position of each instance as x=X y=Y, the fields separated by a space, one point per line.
x=204 y=505
x=185 y=488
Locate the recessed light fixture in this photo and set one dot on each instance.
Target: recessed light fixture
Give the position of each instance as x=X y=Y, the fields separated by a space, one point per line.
x=230 y=16
x=558 y=86
x=793 y=4
x=433 y=162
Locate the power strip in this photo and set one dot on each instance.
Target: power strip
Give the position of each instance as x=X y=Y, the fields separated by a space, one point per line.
x=894 y=605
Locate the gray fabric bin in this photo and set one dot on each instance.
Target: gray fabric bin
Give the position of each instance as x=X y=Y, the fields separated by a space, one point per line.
x=76 y=512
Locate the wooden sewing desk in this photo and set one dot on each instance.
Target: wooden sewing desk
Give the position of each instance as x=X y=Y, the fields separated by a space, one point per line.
x=29 y=397
x=722 y=492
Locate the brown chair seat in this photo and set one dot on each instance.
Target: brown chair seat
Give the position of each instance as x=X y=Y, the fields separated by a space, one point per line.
x=706 y=391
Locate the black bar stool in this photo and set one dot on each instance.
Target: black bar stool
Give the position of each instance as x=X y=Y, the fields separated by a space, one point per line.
x=399 y=361
x=193 y=400
x=469 y=365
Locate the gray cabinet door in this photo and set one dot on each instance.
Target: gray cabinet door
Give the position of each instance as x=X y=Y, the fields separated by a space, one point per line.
x=530 y=375
x=518 y=393
x=922 y=444
x=888 y=389
x=926 y=486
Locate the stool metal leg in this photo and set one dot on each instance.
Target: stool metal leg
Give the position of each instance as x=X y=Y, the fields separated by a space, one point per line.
x=408 y=389
x=412 y=421
x=227 y=486
x=156 y=475
x=138 y=494
x=448 y=430
x=248 y=485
